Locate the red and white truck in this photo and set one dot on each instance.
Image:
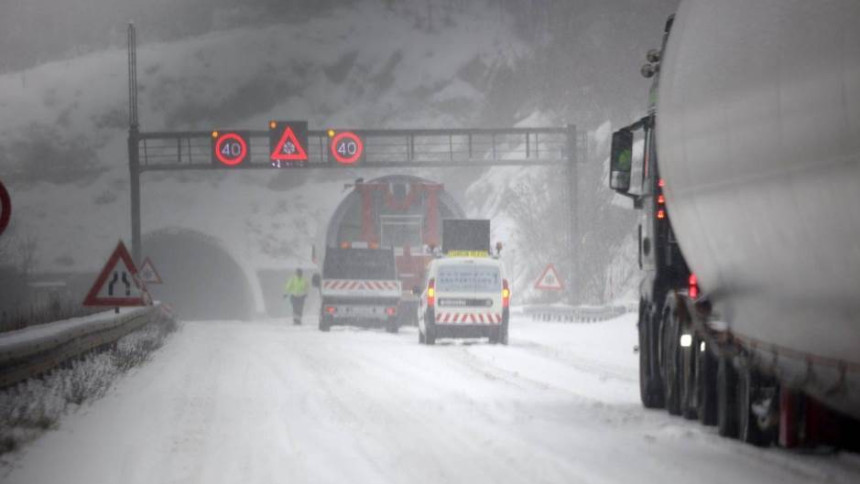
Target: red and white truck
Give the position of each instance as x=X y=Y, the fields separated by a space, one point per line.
x=396 y=213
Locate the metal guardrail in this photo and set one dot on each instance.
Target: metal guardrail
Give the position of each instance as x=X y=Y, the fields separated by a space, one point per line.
x=570 y=314
x=35 y=350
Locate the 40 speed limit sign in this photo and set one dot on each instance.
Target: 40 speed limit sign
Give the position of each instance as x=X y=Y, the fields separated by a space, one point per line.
x=346 y=148
x=229 y=148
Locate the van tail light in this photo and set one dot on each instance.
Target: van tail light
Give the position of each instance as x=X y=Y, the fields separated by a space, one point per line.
x=391 y=311
x=506 y=294
x=694 y=286
x=431 y=293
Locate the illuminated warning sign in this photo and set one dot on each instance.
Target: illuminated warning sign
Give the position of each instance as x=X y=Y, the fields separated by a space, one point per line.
x=346 y=148
x=117 y=283
x=287 y=142
x=549 y=280
x=229 y=148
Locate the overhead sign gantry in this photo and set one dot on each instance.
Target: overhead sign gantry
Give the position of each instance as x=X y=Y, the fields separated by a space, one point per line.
x=290 y=144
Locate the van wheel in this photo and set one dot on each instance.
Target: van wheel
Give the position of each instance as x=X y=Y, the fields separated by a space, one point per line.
x=430 y=326
x=503 y=330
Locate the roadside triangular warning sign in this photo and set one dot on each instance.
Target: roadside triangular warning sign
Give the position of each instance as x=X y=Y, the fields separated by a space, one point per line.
x=549 y=280
x=289 y=148
x=117 y=283
x=148 y=274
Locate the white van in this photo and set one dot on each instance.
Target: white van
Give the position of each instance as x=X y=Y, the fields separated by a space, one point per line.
x=464 y=297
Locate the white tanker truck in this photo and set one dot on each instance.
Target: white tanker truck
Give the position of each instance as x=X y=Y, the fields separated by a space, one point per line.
x=747 y=172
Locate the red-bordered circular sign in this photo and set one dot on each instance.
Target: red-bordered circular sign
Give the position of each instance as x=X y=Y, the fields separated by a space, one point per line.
x=231 y=149
x=5 y=208
x=346 y=148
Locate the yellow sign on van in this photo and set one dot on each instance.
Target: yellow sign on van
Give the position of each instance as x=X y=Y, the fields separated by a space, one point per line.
x=468 y=253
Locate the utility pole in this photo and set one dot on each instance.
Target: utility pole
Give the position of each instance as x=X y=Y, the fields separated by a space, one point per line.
x=133 y=141
x=573 y=236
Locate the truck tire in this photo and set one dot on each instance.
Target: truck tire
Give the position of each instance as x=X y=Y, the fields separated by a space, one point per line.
x=392 y=325
x=727 y=381
x=650 y=384
x=671 y=361
x=495 y=335
x=749 y=384
x=706 y=385
x=689 y=381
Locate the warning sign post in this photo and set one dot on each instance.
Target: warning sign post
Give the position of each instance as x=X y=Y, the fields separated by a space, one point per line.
x=117 y=284
x=549 y=280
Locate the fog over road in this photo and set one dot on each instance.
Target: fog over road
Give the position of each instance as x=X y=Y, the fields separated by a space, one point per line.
x=229 y=402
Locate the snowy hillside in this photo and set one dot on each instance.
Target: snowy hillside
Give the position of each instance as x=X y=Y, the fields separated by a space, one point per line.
x=67 y=121
x=63 y=129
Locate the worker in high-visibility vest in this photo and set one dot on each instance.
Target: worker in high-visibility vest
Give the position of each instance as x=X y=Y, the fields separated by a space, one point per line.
x=297 y=289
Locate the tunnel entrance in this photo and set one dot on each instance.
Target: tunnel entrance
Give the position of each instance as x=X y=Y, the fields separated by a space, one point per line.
x=202 y=281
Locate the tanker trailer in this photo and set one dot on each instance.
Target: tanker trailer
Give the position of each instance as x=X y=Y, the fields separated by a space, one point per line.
x=401 y=212
x=747 y=172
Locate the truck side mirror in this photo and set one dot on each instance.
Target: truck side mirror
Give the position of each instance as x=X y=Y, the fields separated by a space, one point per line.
x=621 y=161
x=315 y=281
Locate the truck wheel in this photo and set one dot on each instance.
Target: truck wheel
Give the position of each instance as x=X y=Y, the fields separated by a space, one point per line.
x=727 y=415
x=650 y=388
x=495 y=335
x=707 y=385
x=671 y=362
x=392 y=325
x=689 y=391
x=749 y=384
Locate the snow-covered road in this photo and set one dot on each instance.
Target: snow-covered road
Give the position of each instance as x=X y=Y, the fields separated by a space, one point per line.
x=238 y=402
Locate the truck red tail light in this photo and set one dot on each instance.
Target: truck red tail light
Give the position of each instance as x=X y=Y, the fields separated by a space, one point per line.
x=506 y=293
x=431 y=293
x=661 y=199
x=694 y=286
x=330 y=309
x=661 y=214
x=391 y=311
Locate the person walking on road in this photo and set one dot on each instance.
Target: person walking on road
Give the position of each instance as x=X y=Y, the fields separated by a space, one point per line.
x=297 y=289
